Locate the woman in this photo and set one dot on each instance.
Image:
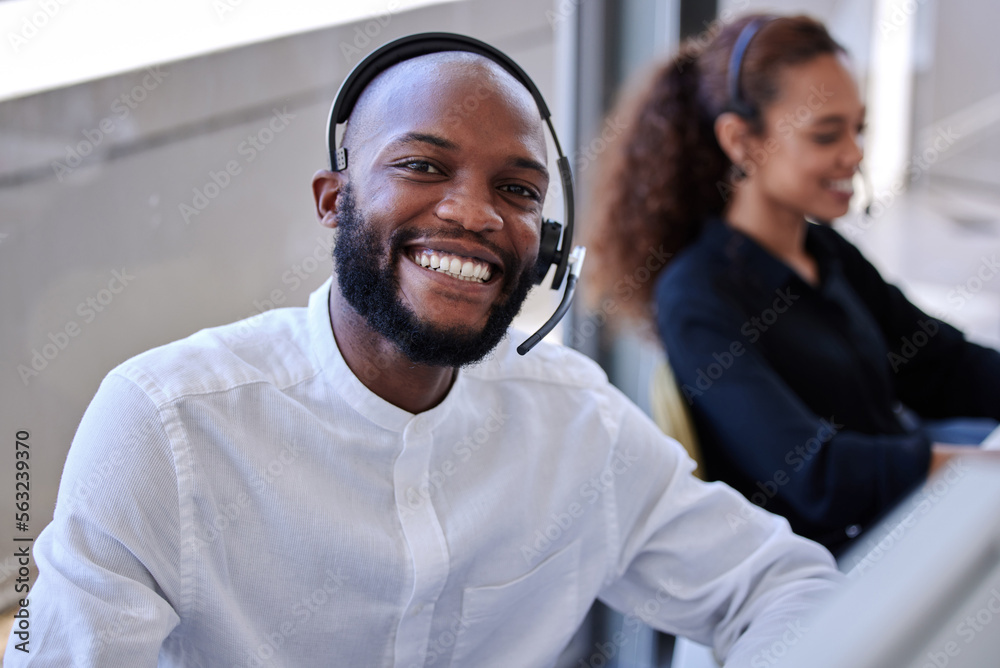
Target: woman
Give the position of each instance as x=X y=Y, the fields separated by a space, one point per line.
x=796 y=357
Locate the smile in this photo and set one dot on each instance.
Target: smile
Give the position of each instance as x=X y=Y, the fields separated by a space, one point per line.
x=842 y=186
x=455 y=266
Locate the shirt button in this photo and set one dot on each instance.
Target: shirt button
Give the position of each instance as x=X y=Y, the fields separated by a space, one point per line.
x=417 y=609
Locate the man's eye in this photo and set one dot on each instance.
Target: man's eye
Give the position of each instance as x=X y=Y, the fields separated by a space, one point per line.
x=520 y=191
x=421 y=166
x=825 y=139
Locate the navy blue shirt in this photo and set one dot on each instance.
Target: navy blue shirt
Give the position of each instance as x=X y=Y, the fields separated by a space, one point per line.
x=796 y=391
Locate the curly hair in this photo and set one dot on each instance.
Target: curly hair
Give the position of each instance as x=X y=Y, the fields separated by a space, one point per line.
x=666 y=174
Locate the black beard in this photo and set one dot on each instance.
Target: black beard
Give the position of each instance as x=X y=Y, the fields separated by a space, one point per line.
x=368 y=281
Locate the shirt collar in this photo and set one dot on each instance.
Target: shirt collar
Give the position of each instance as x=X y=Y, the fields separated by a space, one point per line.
x=327 y=357
x=749 y=261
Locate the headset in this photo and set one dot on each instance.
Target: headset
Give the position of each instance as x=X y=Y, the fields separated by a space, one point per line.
x=567 y=264
x=737 y=103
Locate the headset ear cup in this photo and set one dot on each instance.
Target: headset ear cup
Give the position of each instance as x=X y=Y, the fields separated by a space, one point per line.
x=547 y=249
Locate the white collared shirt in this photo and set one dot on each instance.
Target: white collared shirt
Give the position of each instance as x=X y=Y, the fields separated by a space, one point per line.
x=240 y=498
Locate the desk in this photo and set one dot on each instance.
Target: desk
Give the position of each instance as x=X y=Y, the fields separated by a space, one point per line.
x=927 y=590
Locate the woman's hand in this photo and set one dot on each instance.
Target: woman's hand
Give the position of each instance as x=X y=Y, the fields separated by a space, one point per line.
x=942 y=453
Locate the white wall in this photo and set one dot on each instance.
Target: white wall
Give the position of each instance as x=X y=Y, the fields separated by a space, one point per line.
x=959 y=85
x=63 y=236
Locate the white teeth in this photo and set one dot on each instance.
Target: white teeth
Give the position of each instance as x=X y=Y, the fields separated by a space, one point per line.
x=460 y=268
x=841 y=185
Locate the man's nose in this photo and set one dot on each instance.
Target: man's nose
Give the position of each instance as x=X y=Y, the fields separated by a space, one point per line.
x=471 y=206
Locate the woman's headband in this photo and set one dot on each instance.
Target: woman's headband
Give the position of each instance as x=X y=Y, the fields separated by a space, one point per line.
x=737 y=103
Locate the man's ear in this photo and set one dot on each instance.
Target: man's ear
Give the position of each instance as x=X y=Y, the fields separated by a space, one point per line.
x=327 y=187
x=732 y=133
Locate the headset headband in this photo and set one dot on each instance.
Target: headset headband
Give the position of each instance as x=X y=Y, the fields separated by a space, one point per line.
x=422 y=44
x=550 y=252
x=737 y=103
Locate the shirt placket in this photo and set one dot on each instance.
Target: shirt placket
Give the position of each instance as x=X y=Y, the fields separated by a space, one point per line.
x=425 y=539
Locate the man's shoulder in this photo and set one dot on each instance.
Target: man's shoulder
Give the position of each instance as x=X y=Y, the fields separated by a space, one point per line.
x=270 y=347
x=547 y=363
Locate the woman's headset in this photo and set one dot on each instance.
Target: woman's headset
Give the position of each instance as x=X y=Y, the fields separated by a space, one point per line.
x=550 y=252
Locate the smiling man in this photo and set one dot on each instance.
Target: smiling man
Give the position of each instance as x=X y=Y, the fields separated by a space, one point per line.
x=378 y=479
x=443 y=257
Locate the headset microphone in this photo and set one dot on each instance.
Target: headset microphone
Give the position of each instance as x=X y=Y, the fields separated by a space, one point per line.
x=869 y=192
x=550 y=252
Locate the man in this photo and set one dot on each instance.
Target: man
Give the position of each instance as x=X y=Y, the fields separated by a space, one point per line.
x=340 y=485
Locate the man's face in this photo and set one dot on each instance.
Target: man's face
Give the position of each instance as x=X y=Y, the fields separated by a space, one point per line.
x=439 y=225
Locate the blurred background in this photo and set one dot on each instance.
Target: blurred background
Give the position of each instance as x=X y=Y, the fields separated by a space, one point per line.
x=156 y=159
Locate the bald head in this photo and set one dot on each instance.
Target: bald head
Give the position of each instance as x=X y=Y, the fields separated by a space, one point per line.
x=468 y=78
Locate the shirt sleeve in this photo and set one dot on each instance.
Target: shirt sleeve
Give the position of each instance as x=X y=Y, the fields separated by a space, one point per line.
x=826 y=475
x=939 y=373
x=698 y=560
x=108 y=581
